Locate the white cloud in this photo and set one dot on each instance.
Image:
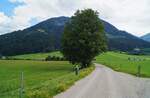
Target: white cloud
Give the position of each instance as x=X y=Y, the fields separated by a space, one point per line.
x=130 y=15
x=4 y=21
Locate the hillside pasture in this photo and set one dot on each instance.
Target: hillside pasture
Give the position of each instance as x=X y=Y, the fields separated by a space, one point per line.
x=125 y=63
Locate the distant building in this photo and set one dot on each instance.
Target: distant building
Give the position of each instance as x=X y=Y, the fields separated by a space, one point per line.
x=136 y=51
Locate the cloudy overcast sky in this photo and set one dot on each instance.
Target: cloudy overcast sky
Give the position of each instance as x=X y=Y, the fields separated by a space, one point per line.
x=129 y=15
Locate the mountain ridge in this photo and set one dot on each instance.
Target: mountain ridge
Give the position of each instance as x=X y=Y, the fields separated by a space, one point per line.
x=146 y=37
x=46 y=36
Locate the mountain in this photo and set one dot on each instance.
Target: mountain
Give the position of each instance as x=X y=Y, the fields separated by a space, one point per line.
x=46 y=36
x=122 y=40
x=146 y=37
x=42 y=37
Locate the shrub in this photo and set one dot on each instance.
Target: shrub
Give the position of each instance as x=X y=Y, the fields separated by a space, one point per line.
x=54 y=58
x=38 y=94
x=58 y=58
x=61 y=87
x=48 y=58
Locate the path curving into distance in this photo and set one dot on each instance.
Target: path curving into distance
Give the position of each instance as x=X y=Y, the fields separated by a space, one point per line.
x=103 y=82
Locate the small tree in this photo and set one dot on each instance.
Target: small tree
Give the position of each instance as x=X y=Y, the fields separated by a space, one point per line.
x=83 y=38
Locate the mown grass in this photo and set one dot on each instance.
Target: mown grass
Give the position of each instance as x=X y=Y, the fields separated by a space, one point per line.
x=125 y=63
x=37 y=56
x=41 y=79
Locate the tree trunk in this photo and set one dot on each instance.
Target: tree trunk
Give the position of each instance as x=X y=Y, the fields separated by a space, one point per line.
x=85 y=65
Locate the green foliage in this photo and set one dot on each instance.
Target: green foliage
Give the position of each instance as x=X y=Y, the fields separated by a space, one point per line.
x=41 y=79
x=125 y=63
x=55 y=58
x=83 y=38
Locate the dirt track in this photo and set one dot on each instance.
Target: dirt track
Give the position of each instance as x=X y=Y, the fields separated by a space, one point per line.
x=106 y=83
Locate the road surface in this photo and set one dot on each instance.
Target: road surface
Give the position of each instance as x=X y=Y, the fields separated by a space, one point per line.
x=103 y=82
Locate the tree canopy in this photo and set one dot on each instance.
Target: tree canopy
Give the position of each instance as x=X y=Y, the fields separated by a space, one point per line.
x=83 y=37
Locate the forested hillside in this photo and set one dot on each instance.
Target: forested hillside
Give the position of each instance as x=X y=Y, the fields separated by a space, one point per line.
x=46 y=36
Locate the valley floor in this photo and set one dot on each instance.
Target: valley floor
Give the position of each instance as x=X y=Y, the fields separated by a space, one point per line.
x=106 y=83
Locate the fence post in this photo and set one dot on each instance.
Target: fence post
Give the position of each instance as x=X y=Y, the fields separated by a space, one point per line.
x=21 y=86
x=139 y=70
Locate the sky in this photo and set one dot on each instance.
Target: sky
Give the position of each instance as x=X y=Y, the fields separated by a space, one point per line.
x=132 y=16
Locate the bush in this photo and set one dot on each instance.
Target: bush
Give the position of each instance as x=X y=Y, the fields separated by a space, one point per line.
x=62 y=59
x=54 y=58
x=8 y=58
x=61 y=87
x=48 y=58
x=38 y=94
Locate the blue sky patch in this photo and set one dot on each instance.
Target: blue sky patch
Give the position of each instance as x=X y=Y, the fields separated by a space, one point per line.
x=7 y=7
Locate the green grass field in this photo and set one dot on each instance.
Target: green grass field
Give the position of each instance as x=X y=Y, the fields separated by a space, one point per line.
x=38 y=56
x=46 y=79
x=41 y=79
x=121 y=62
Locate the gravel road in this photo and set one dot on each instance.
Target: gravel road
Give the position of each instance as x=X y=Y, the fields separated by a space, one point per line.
x=103 y=82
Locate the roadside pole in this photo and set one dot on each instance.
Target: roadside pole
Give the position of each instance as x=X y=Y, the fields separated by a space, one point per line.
x=76 y=69
x=139 y=70
x=21 y=86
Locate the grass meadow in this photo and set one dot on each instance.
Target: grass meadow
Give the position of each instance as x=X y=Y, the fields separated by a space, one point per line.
x=41 y=79
x=125 y=63
x=44 y=79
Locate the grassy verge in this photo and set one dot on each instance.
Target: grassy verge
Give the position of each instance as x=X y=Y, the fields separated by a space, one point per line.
x=59 y=85
x=125 y=63
x=41 y=79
